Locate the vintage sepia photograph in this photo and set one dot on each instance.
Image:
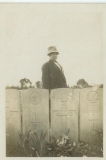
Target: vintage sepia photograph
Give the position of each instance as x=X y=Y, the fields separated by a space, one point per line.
x=54 y=79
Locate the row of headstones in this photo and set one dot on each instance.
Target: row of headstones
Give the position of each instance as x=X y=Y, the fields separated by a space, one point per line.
x=80 y=111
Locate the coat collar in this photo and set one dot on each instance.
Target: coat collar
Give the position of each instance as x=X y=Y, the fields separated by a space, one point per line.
x=51 y=62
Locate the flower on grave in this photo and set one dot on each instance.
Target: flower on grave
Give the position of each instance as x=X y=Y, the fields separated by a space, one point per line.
x=62 y=140
x=74 y=144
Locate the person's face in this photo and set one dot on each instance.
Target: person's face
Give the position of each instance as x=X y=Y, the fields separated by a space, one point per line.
x=53 y=56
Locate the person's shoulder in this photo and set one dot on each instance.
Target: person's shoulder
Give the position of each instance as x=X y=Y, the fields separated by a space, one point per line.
x=45 y=64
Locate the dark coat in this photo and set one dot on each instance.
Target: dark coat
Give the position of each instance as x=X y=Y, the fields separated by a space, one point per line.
x=52 y=76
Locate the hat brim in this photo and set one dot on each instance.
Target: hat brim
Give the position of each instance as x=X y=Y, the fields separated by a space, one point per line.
x=52 y=52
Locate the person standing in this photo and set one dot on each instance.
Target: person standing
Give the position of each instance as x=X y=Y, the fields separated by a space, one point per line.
x=52 y=72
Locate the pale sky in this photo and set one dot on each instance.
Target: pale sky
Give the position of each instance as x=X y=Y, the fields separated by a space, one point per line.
x=30 y=30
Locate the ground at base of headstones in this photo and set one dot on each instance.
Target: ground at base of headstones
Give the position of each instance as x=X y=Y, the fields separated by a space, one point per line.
x=62 y=147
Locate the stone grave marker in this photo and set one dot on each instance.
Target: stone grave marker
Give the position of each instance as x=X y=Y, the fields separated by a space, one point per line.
x=91 y=113
x=35 y=110
x=64 y=112
x=13 y=117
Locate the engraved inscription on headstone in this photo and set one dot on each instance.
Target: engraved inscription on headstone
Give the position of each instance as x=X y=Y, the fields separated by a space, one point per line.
x=35 y=97
x=64 y=111
x=34 y=118
x=93 y=96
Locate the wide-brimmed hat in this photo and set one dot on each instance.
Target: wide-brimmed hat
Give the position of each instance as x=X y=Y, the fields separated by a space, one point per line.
x=52 y=49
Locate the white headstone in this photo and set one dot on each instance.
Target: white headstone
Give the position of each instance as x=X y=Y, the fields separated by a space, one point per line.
x=64 y=112
x=35 y=110
x=91 y=113
x=13 y=117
